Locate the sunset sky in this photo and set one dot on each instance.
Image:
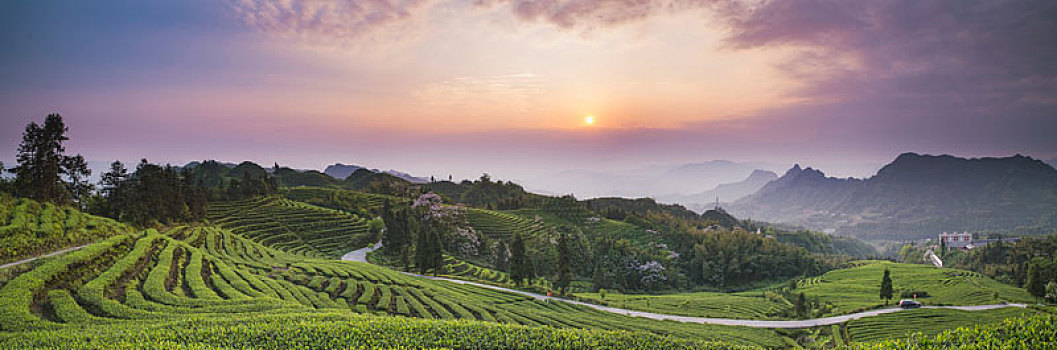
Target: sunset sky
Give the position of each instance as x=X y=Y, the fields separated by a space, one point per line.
x=504 y=86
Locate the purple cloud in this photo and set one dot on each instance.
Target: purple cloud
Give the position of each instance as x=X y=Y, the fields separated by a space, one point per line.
x=944 y=69
x=339 y=22
x=568 y=14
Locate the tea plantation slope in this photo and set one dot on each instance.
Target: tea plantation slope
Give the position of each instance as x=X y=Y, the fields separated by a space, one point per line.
x=333 y=330
x=857 y=288
x=293 y=226
x=30 y=228
x=1034 y=332
x=197 y=273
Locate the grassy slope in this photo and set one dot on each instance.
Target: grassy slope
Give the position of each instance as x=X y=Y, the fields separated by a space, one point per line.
x=1036 y=332
x=29 y=228
x=293 y=226
x=850 y=289
x=926 y=321
x=335 y=330
x=858 y=287
x=701 y=304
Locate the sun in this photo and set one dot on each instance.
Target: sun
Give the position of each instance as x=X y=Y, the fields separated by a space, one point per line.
x=589 y=120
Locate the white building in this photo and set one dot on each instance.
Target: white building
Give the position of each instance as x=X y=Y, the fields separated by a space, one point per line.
x=956 y=240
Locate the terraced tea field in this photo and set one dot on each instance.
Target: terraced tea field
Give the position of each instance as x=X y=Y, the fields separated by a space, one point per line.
x=858 y=287
x=209 y=271
x=928 y=322
x=349 y=201
x=503 y=225
x=339 y=330
x=292 y=226
x=464 y=270
x=1034 y=332
x=29 y=228
x=749 y=306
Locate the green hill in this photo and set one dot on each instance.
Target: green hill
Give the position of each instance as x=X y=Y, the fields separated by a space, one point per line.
x=858 y=287
x=205 y=278
x=294 y=226
x=29 y=228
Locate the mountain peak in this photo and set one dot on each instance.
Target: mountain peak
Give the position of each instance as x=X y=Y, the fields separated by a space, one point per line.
x=796 y=171
x=341 y=171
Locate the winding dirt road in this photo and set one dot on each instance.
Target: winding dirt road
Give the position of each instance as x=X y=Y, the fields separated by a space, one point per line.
x=360 y=255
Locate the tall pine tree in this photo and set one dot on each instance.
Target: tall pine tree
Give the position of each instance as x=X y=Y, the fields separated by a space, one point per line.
x=114 y=189
x=399 y=232
x=424 y=248
x=562 y=280
x=886 y=287
x=519 y=269
x=1035 y=285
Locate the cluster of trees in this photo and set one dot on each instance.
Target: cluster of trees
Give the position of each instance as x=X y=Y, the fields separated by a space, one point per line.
x=44 y=172
x=250 y=186
x=414 y=233
x=487 y=194
x=380 y=183
x=520 y=267
x=156 y=194
x=1005 y=262
x=729 y=258
x=428 y=246
x=623 y=265
x=1042 y=279
x=621 y=207
x=152 y=194
x=821 y=243
x=400 y=227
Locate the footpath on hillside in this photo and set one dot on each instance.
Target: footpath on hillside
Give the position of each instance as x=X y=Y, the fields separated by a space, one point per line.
x=23 y=261
x=360 y=255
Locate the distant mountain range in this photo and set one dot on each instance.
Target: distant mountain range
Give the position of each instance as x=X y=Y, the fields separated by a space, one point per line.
x=727 y=192
x=341 y=171
x=915 y=196
x=650 y=181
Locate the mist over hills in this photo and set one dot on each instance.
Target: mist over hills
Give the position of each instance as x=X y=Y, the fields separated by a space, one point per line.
x=726 y=192
x=664 y=182
x=915 y=196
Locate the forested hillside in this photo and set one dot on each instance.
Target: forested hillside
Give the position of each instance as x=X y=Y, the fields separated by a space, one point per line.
x=915 y=196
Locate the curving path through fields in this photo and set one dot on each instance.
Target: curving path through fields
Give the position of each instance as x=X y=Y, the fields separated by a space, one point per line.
x=20 y=262
x=360 y=255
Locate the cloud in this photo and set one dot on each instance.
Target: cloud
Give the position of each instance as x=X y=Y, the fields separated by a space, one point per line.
x=976 y=74
x=988 y=49
x=589 y=14
x=884 y=73
x=327 y=22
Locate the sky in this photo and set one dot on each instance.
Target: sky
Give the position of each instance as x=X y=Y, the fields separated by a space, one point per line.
x=437 y=87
